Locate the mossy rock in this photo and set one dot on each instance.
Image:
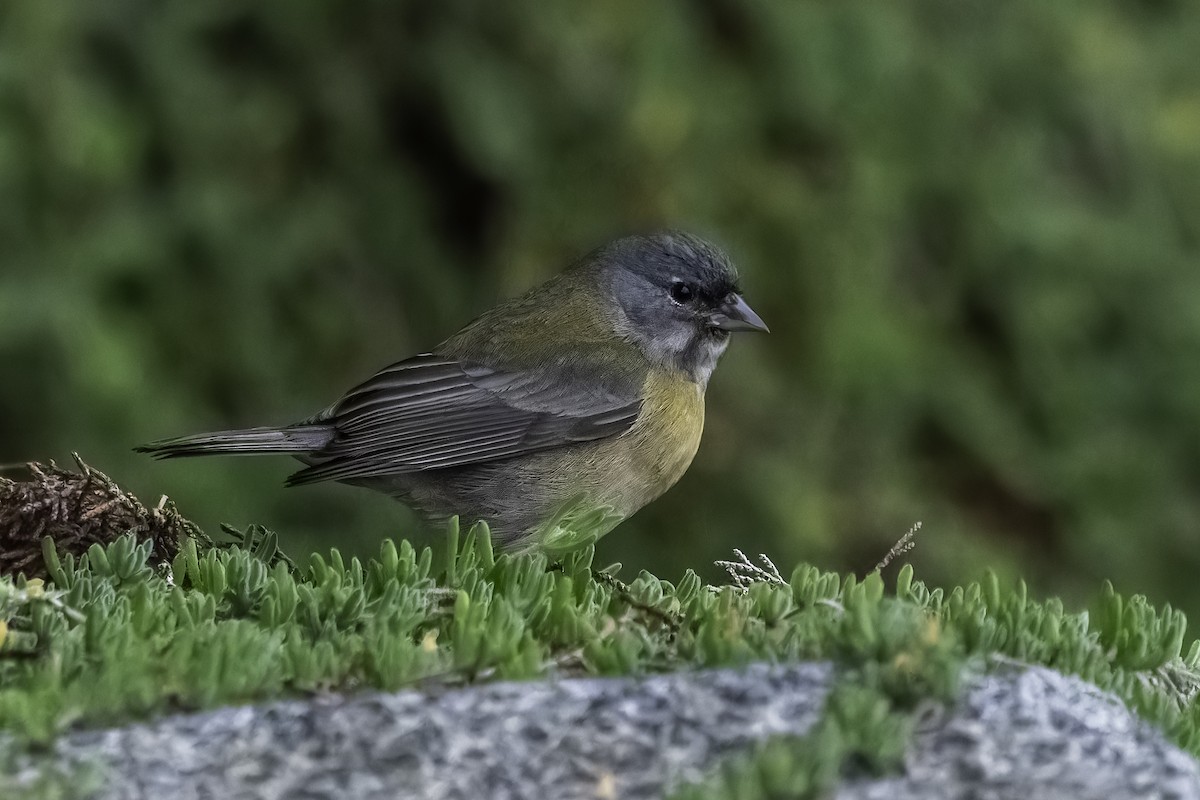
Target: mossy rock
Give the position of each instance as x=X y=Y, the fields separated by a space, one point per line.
x=118 y=633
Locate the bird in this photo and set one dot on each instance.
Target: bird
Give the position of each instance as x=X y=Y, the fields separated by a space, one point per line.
x=552 y=417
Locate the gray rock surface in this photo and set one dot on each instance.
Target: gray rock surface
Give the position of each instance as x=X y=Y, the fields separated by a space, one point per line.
x=1029 y=735
x=1037 y=735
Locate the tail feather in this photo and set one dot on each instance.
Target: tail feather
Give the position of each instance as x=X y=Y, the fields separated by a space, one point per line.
x=249 y=441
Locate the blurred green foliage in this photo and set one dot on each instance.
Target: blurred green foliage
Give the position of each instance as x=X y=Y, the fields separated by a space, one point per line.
x=973 y=228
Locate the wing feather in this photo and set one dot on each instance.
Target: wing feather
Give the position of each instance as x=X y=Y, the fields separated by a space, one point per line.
x=435 y=412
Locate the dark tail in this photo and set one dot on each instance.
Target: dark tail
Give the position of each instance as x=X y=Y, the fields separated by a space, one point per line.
x=247 y=442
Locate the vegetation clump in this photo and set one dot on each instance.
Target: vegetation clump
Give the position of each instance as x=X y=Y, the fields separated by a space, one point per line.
x=117 y=632
x=77 y=509
x=111 y=636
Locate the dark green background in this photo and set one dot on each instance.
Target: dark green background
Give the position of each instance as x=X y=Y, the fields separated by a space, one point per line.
x=973 y=228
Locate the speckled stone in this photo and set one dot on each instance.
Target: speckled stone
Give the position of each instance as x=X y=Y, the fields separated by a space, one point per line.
x=1037 y=735
x=1025 y=735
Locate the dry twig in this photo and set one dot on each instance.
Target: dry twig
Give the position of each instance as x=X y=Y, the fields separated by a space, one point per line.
x=901 y=547
x=744 y=572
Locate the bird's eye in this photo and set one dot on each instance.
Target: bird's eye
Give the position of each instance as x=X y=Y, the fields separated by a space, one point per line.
x=681 y=292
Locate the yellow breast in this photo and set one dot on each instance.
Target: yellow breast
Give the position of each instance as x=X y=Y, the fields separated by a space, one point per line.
x=597 y=485
x=662 y=442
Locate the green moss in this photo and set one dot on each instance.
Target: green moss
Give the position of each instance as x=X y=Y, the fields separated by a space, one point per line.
x=114 y=637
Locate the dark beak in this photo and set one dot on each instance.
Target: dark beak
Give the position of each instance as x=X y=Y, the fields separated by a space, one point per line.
x=735 y=314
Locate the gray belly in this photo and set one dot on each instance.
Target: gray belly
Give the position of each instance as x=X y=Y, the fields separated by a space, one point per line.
x=513 y=496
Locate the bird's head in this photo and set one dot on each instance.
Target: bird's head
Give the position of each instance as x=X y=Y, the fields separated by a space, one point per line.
x=676 y=297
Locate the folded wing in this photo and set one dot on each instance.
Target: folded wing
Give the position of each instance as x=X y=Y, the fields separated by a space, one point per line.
x=434 y=412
